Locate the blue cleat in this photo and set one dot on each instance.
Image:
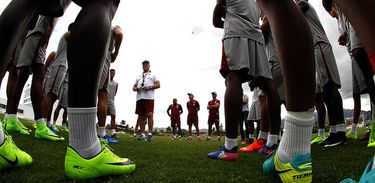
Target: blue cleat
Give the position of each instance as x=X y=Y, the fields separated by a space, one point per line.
x=224 y=154
x=141 y=138
x=53 y=130
x=110 y=140
x=149 y=137
x=367 y=176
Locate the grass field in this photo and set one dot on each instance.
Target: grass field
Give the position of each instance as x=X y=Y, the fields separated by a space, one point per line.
x=164 y=160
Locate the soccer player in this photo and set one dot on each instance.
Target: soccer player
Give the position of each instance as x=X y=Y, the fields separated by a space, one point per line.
x=53 y=79
x=361 y=67
x=112 y=87
x=31 y=61
x=145 y=85
x=327 y=76
x=245 y=115
x=174 y=111
x=244 y=59
x=213 y=115
x=63 y=104
x=103 y=93
x=192 y=118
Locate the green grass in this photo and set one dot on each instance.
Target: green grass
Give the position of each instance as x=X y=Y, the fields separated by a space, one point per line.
x=164 y=160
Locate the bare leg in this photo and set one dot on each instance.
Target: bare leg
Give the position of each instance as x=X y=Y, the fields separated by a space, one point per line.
x=150 y=118
x=321 y=109
x=102 y=106
x=232 y=104
x=36 y=89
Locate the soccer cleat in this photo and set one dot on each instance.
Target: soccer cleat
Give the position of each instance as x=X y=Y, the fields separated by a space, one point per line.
x=335 y=139
x=255 y=146
x=267 y=150
x=371 y=140
x=115 y=136
x=351 y=136
x=103 y=164
x=55 y=128
x=11 y=155
x=317 y=139
x=190 y=138
x=367 y=176
x=366 y=136
x=23 y=126
x=11 y=125
x=65 y=129
x=199 y=138
x=149 y=137
x=110 y=140
x=208 y=138
x=43 y=132
x=224 y=154
x=298 y=170
x=141 y=138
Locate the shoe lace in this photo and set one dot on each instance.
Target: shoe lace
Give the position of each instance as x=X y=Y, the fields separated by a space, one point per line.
x=105 y=144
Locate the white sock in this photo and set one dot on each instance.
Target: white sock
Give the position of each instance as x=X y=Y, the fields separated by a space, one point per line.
x=54 y=122
x=143 y=135
x=297 y=135
x=40 y=123
x=321 y=132
x=1 y=134
x=332 y=129
x=48 y=123
x=149 y=133
x=353 y=129
x=5 y=116
x=113 y=131
x=263 y=135
x=82 y=135
x=251 y=136
x=340 y=128
x=230 y=143
x=12 y=116
x=272 y=140
x=101 y=132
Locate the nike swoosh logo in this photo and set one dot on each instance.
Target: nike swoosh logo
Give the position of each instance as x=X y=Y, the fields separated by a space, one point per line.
x=11 y=163
x=121 y=163
x=282 y=171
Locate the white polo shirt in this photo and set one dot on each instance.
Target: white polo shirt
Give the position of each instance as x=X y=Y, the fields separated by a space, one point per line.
x=148 y=79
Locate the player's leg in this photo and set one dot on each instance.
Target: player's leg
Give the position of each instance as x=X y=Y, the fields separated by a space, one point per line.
x=233 y=113
x=321 y=110
x=218 y=132
x=209 y=131
x=90 y=32
x=273 y=112
x=150 y=118
x=295 y=49
x=197 y=130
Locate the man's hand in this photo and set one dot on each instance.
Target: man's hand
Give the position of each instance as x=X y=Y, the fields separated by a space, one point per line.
x=343 y=39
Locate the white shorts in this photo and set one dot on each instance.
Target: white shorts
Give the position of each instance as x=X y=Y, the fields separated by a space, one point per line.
x=31 y=53
x=246 y=56
x=111 y=109
x=105 y=73
x=63 y=96
x=325 y=66
x=254 y=113
x=54 y=80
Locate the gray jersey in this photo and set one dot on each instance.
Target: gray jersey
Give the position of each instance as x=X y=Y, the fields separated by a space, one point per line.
x=318 y=33
x=61 y=58
x=271 y=48
x=111 y=87
x=242 y=20
x=41 y=25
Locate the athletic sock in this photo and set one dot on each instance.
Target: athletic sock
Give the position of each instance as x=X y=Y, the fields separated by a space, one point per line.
x=230 y=143
x=82 y=135
x=353 y=129
x=113 y=131
x=263 y=135
x=297 y=135
x=101 y=132
x=40 y=121
x=143 y=135
x=5 y=116
x=372 y=60
x=321 y=132
x=11 y=116
x=1 y=134
x=251 y=136
x=272 y=140
x=340 y=128
x=332 y=129
x=54 y=122
x=48 y=123
x=149 y=133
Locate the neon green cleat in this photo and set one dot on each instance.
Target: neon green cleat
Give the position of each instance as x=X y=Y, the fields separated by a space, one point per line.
x=104 y=164
x=351 y=136
x=23 y=126
x=317 y=139
x=371 y=139
x=65 y=129
x=298 y=170
x=12 y=125
x=55 y=128
x=11 y=155
x=43 y=132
